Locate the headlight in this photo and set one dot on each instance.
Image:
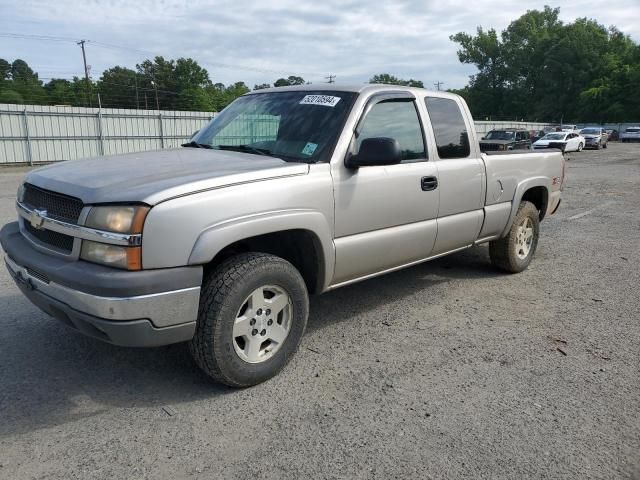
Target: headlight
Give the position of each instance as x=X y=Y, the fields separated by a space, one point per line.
x=128 y=258
x=127 y=219
x=20 y=193
x=118 y=218
x=501 y=147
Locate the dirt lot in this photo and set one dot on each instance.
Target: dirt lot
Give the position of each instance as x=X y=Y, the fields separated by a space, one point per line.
x=446 y=370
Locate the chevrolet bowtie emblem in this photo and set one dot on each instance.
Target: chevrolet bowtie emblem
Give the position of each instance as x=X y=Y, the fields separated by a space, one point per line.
x=37 y=218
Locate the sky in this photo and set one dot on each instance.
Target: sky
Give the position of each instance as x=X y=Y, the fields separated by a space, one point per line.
x=260 y=41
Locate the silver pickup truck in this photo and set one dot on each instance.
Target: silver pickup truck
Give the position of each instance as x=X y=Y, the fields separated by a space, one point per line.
x=288 y=192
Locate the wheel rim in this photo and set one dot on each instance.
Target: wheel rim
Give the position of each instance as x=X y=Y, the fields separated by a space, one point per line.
x=524 y=238
x=580 y=147
x=262 y=324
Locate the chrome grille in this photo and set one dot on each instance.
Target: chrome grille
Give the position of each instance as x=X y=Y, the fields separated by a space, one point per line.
x=58 y=206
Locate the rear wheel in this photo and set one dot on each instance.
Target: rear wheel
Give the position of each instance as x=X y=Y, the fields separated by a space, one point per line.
x=514 y=252
x=253 y=313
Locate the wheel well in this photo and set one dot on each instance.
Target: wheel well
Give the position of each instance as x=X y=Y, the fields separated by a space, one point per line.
x=301 y=248
x=539 y=196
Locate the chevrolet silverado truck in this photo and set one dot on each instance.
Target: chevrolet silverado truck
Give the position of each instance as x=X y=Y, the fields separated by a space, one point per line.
x=288 y=192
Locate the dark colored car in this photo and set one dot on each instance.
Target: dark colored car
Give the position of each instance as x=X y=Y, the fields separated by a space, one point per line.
x=505 y=140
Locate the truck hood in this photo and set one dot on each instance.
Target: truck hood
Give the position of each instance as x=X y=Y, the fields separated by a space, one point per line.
x=154 y=176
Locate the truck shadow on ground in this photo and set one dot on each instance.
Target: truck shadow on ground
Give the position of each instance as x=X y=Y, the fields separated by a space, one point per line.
x=51 y=375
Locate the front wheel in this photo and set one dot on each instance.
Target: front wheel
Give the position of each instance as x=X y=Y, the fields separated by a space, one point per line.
x=514 y=252
x=580 y=146
x=253 y=313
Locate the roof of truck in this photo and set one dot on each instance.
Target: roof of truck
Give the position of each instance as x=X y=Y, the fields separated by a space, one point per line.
x=357 y=88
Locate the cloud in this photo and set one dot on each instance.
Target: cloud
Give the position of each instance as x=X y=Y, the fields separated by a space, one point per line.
x=258 y=42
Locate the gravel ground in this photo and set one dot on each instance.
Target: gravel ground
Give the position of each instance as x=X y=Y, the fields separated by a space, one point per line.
x=445 y=370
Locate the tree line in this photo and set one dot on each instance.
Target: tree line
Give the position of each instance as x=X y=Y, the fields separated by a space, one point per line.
x=540 y=68
x=163 y=84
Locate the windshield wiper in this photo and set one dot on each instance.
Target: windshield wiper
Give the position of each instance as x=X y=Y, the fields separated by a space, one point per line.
x=193 y=144
x=247 y=149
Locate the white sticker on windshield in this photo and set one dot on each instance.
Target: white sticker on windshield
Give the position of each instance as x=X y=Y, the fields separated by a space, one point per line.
x=325 y=100
x=309 y=148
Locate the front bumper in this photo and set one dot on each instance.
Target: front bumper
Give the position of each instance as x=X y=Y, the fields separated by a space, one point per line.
x=142 y=309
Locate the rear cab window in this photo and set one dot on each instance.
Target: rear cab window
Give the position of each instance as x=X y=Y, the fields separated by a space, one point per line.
x=449 y=128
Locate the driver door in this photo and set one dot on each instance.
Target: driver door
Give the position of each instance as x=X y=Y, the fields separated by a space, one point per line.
x=385 y=215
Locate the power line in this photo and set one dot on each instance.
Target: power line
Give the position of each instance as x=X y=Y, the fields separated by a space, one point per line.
x=331 y=78
x=149 y=52
x=438 y=84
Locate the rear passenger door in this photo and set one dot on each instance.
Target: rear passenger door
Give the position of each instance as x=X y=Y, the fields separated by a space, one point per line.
x=461 y=178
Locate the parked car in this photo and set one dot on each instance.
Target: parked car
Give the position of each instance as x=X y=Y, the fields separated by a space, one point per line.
x=220 y=244
x=613 y=134
x=594 y=137
x=497 y=140
x=631 y=134
x=536 y=135
x=568 y=128
x=565 y=141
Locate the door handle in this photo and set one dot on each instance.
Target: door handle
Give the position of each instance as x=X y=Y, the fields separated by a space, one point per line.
x=428 y=183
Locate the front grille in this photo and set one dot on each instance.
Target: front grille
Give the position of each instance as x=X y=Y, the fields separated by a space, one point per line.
x=59 y=241
x=490 y=147
x=58 y=206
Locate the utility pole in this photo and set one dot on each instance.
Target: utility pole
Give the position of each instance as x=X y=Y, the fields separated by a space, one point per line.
x=331 y=79
x=135 y=79
x=155 y=86
x=438 y=84
x=86 y=70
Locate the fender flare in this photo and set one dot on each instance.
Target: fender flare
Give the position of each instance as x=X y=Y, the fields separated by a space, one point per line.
x=521 y=188
x=215 y=238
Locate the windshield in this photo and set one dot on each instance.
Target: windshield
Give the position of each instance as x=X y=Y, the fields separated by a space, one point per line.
x=500 y=135
x=300 y=126
x=590 y=131
x=554 y=136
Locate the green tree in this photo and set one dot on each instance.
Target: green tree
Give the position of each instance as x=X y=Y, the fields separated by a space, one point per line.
x=118 y=87
x=542 y=69
x=291 y=80
x=387 y=79
x=72 y=92
x=261 y=86
x=26 y=83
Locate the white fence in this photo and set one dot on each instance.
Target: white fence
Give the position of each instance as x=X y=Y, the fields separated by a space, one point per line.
x=31 y=134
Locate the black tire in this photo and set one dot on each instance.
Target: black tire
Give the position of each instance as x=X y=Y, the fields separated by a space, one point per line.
x=224 y=291
x=598 y=146
x=504 y=252
x=605 y=145
x=580 y=147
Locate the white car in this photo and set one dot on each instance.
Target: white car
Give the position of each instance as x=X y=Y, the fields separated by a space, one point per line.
x=565 y=141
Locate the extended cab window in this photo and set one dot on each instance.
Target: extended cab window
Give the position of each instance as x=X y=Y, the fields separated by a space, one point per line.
x=398 y=119
x=452 y=138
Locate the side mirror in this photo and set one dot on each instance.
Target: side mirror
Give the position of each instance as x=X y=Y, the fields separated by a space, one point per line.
x=376 y=151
